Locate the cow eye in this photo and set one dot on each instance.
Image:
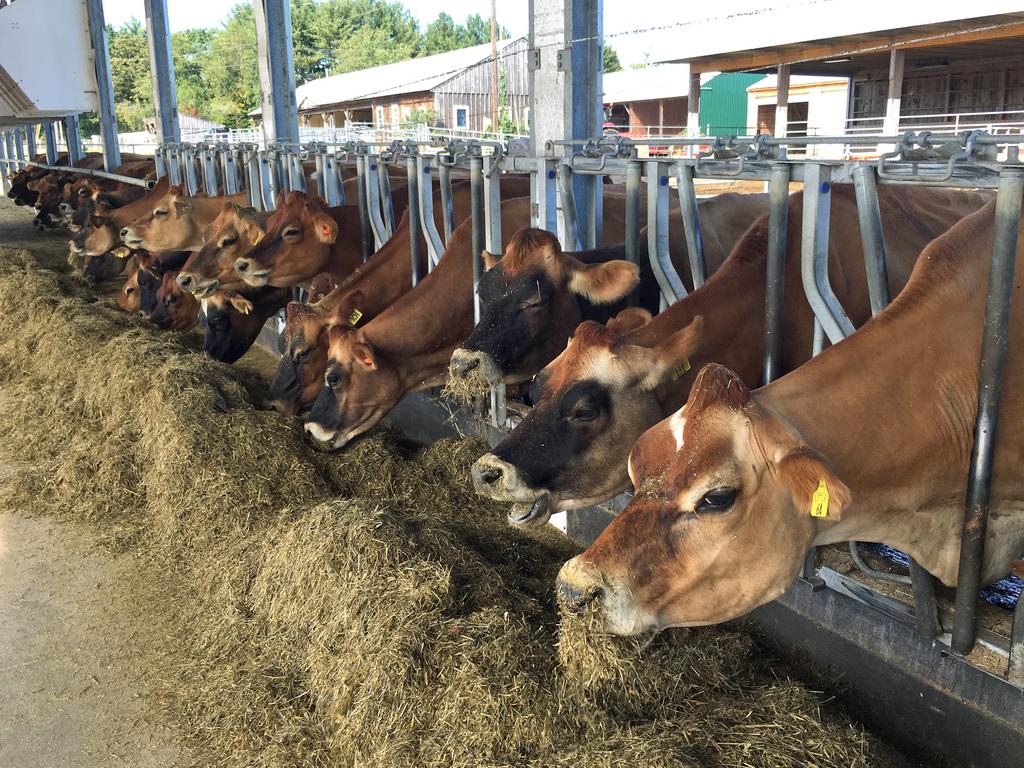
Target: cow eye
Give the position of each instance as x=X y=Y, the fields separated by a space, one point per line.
x=82 y=193
x=585 y=413
x=303 y=355
x=129 y=291
x=717 y=500
x=159 y=213
x=291 y=232
x=227 y=242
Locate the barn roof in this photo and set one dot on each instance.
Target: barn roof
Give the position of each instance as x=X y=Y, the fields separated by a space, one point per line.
x=662 y=81
x=423 y=73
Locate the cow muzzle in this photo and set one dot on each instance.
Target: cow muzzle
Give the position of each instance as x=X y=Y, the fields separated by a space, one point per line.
x=499 y=480
x=473 y=364
x=251 y=272
x=581 y=583
x=65 y=209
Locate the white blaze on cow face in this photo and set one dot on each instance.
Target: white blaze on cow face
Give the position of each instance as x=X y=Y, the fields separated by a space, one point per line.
x=716 y=527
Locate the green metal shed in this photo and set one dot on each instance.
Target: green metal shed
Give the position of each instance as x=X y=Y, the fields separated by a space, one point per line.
x=723 y=103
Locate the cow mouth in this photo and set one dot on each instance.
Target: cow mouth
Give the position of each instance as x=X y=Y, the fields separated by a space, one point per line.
x=205 y=290
x=536 y=512
x=133 y=242
x=257 y=279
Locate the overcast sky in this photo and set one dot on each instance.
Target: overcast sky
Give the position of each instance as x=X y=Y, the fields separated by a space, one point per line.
x=620 y=16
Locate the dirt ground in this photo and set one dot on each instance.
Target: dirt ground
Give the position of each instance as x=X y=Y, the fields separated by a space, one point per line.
x=77 y=647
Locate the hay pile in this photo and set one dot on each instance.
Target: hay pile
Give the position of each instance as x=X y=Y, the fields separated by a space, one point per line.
x=362 y=609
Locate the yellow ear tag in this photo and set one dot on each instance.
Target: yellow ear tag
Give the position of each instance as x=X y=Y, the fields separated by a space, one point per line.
x=680 y=369
x=354 y=317
x=819 y=501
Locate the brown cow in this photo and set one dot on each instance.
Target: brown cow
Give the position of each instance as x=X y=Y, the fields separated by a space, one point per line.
x=871 y=440
x=128 y=299
x=526 y=314
x=231 y=326
x=101 y=234
x=603 y=391
x=408 y=346
x=228 y=237
x=176 y=221
x=175 y=310
x=370 y=289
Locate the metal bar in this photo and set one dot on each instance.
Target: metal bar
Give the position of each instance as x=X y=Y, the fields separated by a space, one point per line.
x=50 y=135
x=277 y=71
x=545 y=195
x=492 y=206
x=814 y=254
x=19 y=146
x=444 y=177
x=210 y=184
x=30 y=141
x=229 y=167
x=387 y=204
x=104 y=85
x=296 y=173
x=334 y=191
x=5 y=170
x=990 y=386
x=634 y=182
x=73 y=136
x=412 y=173
x=268 y=180
x=476 y=196
x=1015 y=672
x=871 y=236
x=775 y=281
x=364 y=207
x=161 y=66
x=691 y=223
x=672 y=288
x=569 y=232
x=160 y=161
x=253 y=180
x=435 y=248
x=380 y=235
x=191 y=173
x=92 y=172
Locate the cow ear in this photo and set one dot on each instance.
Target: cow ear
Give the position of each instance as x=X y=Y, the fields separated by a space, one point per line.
x=816 y=489
x=363 y=353
x=717 y=385
x=669 y=359
x=490 y=259
x=182 y=206
x=326 y=228
x=293 y=312
x=629 y=320
x=603 y=283
x=247 y=224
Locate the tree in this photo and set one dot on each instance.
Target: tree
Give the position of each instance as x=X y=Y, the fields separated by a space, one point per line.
x=443 y=34
x=129 y=67
x=191 y=50
x=610 y=59
x=231 y=70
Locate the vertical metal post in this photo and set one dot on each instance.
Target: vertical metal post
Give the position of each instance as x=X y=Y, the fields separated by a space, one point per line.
x=782 y=101
x=634 y=182
x=209 y=172
x=296 y=173
x=444 y=178
x=174 y=165
x=492 y=234
x=693 y=105
x=5 y=170
x=814 y=254
x=191 y=173
x=50 y=135
x=872 y=237
x=412 y=174
x=10 y=166
x=364 y=206
x=229 y=164
x=386 y=203
x=990 y=386
x=775 y=281
x=691 y=223
x=268 y=180
x=1015 y=673
x=476 y=196
x=569 y=232
x=334 y=193
x=380 y=233
x=73 y=136
x=672 y=288
x=277 y=71
x=30 y=141
x=253 y=181
x=104 y=85
x=161 y=67
x=432 y=238
x=19 y=146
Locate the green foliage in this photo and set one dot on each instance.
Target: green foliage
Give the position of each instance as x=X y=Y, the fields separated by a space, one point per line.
x=216 y=69
x=610 y=59
x=421 y=116
x=506 y=124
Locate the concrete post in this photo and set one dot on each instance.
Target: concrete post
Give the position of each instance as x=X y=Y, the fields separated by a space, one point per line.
x=161 y=66
x=277 y=71
x=104 y=85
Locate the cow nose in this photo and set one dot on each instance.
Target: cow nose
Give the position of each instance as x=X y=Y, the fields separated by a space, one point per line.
x=184 y=280
x=65 y=208
x=461 y=365
x=574 y=599
x=242 y=266
x=490 y=475
x=124 y=233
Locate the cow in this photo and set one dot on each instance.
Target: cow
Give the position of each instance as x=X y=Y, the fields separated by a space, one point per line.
x=101 y=234
x=407 y=347
x=228 y=237
x=871 y=440
x=174 y=309
x=231 y=326
x=128 y=299
x=175 y=221
x=370 y=289
x=48 y=189
x=512 y=343
x=603 y=391
x=153 y=267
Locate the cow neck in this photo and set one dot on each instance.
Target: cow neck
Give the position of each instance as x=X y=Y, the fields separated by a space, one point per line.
x=892 y=406
x=419 y=332
x=203 y=212
x=731 y=304
x=385 y=277
x=126 y=214
x=345 y=255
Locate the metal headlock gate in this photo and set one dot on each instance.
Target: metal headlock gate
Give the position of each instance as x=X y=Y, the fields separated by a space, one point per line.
x=970 y=160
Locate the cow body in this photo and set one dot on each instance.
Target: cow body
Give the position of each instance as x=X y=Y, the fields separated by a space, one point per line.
x=871 y=440
x=552 y=461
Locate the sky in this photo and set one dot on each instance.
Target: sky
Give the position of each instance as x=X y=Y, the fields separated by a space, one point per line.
x=621 y=17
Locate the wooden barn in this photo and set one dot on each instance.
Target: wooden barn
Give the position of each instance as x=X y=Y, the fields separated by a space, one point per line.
x=449 y=90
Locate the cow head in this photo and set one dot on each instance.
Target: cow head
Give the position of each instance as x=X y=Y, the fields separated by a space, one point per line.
x=128 y=299
x=233 y=322
x=297 y=245
x=720 y=521
x=76 y=194
x=229 y=237
x=590 y=403
x=530 y=304
x=19 y=191
x=99 y=233
x=175 y=310
x=168 y=226
x=358 y=391
x=99 y=269
x=48 y=190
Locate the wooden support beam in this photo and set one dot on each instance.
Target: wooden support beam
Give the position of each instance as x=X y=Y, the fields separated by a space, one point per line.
x=782 y=102
x=693 y=105
x=891 y=124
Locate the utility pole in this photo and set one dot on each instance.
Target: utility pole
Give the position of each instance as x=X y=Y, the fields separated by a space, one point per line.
x=494 y=67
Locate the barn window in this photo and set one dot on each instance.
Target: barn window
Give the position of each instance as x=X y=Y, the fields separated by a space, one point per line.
x=461 y=116
x=380 y=116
